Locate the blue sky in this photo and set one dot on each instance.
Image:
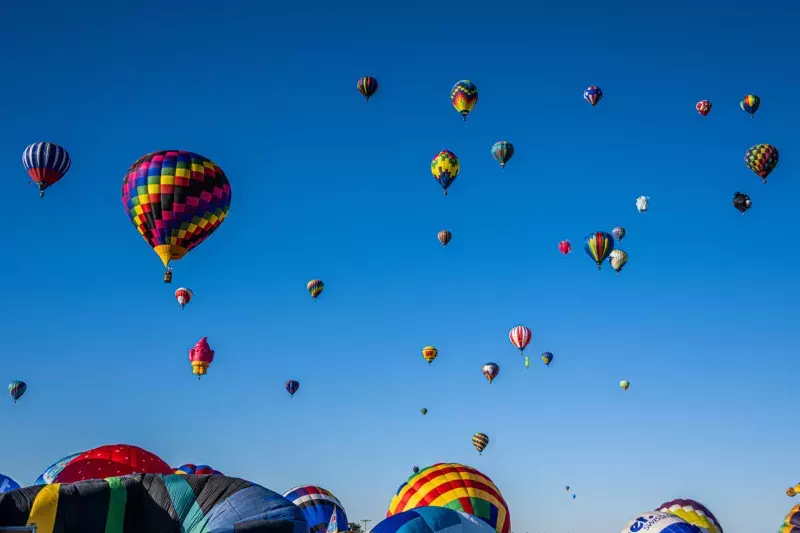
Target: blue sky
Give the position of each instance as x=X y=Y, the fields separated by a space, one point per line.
x=326 y=186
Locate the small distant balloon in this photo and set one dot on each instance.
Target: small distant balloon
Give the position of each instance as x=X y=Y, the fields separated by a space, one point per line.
x=547 y=357
x=741 y=202
x=424 y=411
x=46 y=163
x=566 y=488
x=291 y=387
x=490 y=371
x=445 y=167
x=184 y=296
x=593 y=94
x=750 y=104
x=367 y=87
x=315 y=288
x=415 y=469
x=762 y=159
x=520 y=336
x=618 y=233
x=703 y=107
x=618 y=260
x=480 y=441
x=429 y=353
x=502 y=151
x=641 y=203
x=16 y=389
x=464 y=96
x=573 y=496
x=624 y=384
x=527 y=361
x=444 y=237
x=598 y=246
x=564 y=247
x=201 y=356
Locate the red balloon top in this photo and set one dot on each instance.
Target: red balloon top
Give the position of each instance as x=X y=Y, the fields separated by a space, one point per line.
x=201 y=351
x=110 y=461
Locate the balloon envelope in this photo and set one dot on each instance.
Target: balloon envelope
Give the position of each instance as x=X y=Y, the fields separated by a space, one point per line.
x=657 y=522
x=693 y=512
x=7 y=484
x=51 y=472
x=112 y=460
x=432 y=520
x=317 y=505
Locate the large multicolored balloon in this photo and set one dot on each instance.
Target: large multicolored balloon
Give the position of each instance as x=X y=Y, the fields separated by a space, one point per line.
x=109 y=461
x=16 y=389
x=502 y=151
x=657 y=522
x=51 y=472
x=593 y=94
x=7 y=484
x=175 y=200
x=490 y=371
x=564 y=247
x=762 y=159
x=703 y=107
x=480 y=441
x=750 y=104
x=432 y=520
x=444 y=168
x=444 y=237
x=318 y=505
x=146 y=503
x=291 y=387
x=429 y=353
x=46 y=163
x=598 y=246
x=618 y=260
x=791 y=524
x=520 y=336
x=190 y=469
x=464 y=96
x=547 y=358
x=693 y=512
x=458 y=487
x=315 y=288
x=184 y=296
x=201 y=356
x=367 y=86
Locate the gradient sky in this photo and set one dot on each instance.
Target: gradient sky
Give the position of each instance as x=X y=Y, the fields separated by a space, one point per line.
x=326 y=186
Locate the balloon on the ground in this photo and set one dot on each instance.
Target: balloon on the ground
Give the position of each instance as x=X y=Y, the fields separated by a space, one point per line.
x=199 y=470
x=175 y=200
x=145 y=503
x=791 y=524
x=201 y=356
x=458 y=487
x=367 y=86
x=693 y=512
x=657 y=522
x=46 y=163
x=112 y=460
x=703 y=107
x=432 y=520
x=51 y=472
x=7 y=484
x=317 y=505
x=464 y=96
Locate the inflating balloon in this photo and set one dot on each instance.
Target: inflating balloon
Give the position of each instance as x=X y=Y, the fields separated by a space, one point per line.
x=432 y=520
x=502 y=151
x=109 y=461
x=318 y=505
x=51 y=472
x=367 y=86
x=201 y=356
x=762 y=159
x=490 y=371
x=175 y=200
x=199 y=470
x=445 y=167
x=464 y=96
x=598 y=246
x=454 y=486
x=46 y=163
x=694 y=513
x=16 y=389
x=291 y=387
x=429 y=353
x=7 y=484
x=656 y=522
x=593 y=94
x=480 y=441
x=703 y=107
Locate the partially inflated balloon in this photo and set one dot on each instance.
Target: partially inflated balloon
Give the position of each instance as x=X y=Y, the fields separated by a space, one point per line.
x=762 y=159
x=7 y=484
x=693 y=512
x=112 y=460
x=291 y=387
x=656 y=522
x=51 y=472
x=175 y=200
x=598 y=246
x=502 y=151
x=199 y=470
x=490 y=371
x=367 y=86
x=464 y=96
x=444 y=168
x=318 y=505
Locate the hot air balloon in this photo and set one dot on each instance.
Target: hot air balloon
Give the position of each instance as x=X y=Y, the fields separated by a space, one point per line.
x=444 y=237
x=480 y=441
x=176 y=200
x=527 y=361
x=624 y=384
x=454 y=486
x=184 y=296
x=146 y=503
x=593 y=94
x=520 y=336
x=464 y=96
x=566 y=488
x=618 y=233
x=761 y=159
x=703 y=107
x=415 y=469
x=291 y=387
x=424 y=411
x=444 y=168
x=46 y=163
x=792 y=491
x=598 y=246
x=502 y=151
x=573 y=496
x=656 y=522
x=190 y=469
x=367 y=86
x=318 y=505
x=791 y=524
x=51 y=472
x=432 y=520
x=618 y=259
x=741 y=202
x=201 y=355
x=641 y=203
x=111 y=460
x=429 y=353
x=315 y=288
x=750 y=104
x=692 y=512
x=16 y=389
x=564 y=247
x=547 y=357
x=490 y=371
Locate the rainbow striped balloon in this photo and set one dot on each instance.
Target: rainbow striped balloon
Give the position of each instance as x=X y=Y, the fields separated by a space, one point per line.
x=458 y=487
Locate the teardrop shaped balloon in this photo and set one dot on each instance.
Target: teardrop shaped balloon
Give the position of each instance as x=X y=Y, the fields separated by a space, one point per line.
x=593 y=94
x=520 y=336
x=502 y=151
x=618 y=259
x=429 y=353
x=761 y=159
x=315 y=288
x=480 y=441
x=367 y=86
x=291 y=387
x=490 y=371
x=46 y=163
x=547 y=357
x=16 y=389
x=703 y=107
x=598 y=246
x=750 y=104
x=564 y=247
x=444 y=168
x=175 y=200
x=464 y=96
x=184 y=296
x=424 y=411
x=444 y=237
x=618 y=233
x=624 y=384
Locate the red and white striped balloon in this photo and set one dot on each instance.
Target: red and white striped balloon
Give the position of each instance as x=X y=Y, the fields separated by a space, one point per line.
x=520 y=336
x=183 y=295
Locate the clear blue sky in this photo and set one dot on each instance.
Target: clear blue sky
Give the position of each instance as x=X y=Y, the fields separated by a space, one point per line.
x=326 y=186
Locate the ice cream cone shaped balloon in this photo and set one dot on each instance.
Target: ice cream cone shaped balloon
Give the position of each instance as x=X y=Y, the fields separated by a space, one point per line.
x=201 y=355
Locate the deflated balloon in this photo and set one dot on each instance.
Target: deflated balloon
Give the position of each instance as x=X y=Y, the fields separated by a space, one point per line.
x=454 y=486
x=147 y=503
x=318 y=505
